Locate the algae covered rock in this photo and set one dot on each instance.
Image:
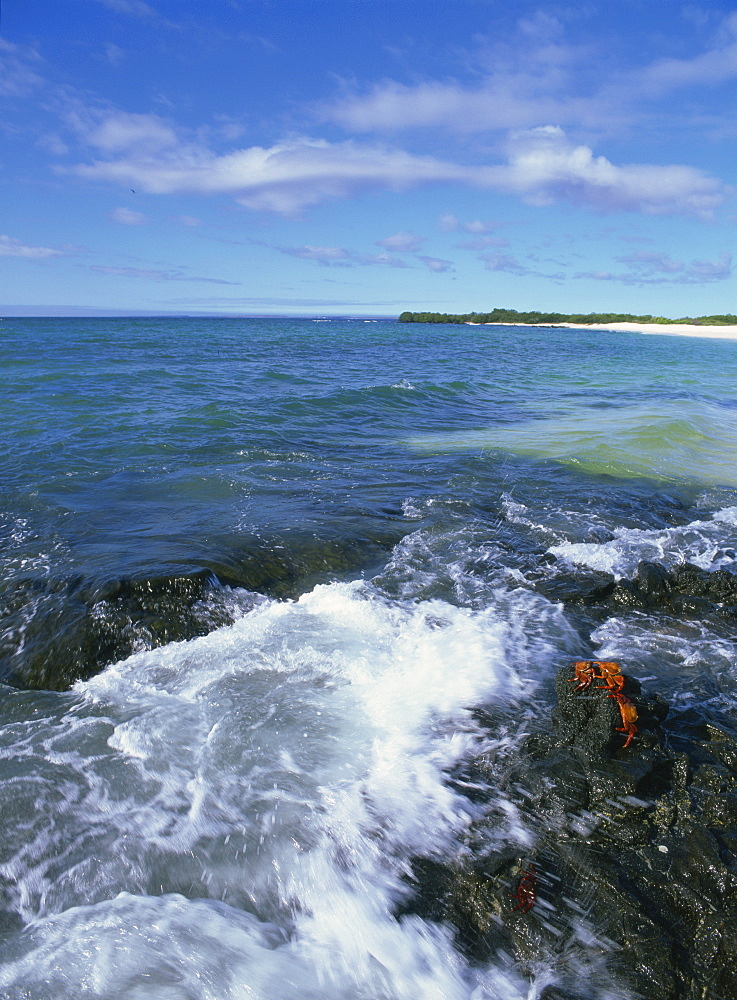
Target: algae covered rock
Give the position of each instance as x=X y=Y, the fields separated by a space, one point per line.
x=633 y=850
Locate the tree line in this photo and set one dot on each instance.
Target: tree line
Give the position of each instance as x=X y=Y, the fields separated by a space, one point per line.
x=515 y=318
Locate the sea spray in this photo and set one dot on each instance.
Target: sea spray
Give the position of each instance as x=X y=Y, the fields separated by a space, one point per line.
x=290 y=766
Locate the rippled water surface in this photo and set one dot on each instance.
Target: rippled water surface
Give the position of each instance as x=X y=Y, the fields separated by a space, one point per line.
x=260 y=582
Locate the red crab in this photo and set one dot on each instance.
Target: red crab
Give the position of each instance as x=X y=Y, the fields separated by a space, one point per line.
x=526 y=893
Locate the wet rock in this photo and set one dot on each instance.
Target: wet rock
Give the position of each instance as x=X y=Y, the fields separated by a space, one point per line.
x=574 y=588
x=634 y=852
x=687 y=591
x=69 y=631
x=54 y=632
x=652 y=579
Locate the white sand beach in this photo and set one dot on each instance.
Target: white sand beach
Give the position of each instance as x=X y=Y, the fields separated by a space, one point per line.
x=672 y=329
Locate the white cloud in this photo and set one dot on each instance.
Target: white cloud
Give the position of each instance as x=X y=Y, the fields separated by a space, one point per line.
x=543 y=167
x=501 y=103
x=136 y=134
x=127 y=217
x=285 y=178
x=10 y=247
x=402 y=242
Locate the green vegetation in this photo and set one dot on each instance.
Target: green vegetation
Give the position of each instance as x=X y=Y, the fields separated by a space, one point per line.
x=515 y=318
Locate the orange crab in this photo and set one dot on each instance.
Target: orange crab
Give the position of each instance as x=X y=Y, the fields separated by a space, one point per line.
x=629 y=716
x=609 y=671
x=585 y=675
x=583 y=672
x=611 y=674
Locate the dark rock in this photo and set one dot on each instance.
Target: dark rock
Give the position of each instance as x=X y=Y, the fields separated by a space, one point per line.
x=573 y=588
x=627 y=594
x=56 y=631
x=719 y=585
x=652 y=579
x=74 y=630
x=688 y=591
x=633 y=853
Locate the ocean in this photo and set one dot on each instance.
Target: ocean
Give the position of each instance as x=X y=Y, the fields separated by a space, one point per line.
x=269 y=586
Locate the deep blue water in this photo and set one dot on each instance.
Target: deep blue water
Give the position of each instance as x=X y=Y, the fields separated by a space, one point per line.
x=224 y=545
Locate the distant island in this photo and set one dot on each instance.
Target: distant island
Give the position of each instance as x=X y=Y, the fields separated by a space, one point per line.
x=515 y=318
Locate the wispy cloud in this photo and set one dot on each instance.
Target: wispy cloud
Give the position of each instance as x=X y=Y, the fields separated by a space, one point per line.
x=530 y=79
x=10 y=247
x=341 y=257
x=128 y=217
x=450 y=224
x=716 y=65
x=654 y=262
x=482 y=243
x=155 y=274
x=402 y=242
x=114 y=54
x=499 y=104
x=436 y=264
x=136 y=8
x=659 y=268
x=18 y=69
x=290 y=303
x=512 y=265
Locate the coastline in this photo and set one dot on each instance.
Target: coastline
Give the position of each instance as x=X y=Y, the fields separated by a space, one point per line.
x=669 y=329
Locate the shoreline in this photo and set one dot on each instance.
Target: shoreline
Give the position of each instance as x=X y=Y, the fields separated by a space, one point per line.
x=667 y=329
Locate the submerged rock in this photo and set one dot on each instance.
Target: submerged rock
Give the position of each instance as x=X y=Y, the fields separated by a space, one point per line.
x=634 y=853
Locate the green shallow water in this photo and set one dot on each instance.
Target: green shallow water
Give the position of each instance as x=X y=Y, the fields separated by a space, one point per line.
x=676 y=441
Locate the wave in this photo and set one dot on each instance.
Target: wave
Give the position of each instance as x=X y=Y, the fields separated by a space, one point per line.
x=269 y=784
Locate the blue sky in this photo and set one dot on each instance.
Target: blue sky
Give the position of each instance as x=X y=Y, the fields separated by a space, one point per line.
x=363 y=157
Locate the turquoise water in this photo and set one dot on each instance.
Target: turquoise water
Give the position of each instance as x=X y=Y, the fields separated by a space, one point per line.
x=256 y=574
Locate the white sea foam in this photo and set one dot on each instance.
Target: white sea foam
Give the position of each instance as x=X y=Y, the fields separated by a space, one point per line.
x=708 y=544
x=288 y=766
x=698 y=666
